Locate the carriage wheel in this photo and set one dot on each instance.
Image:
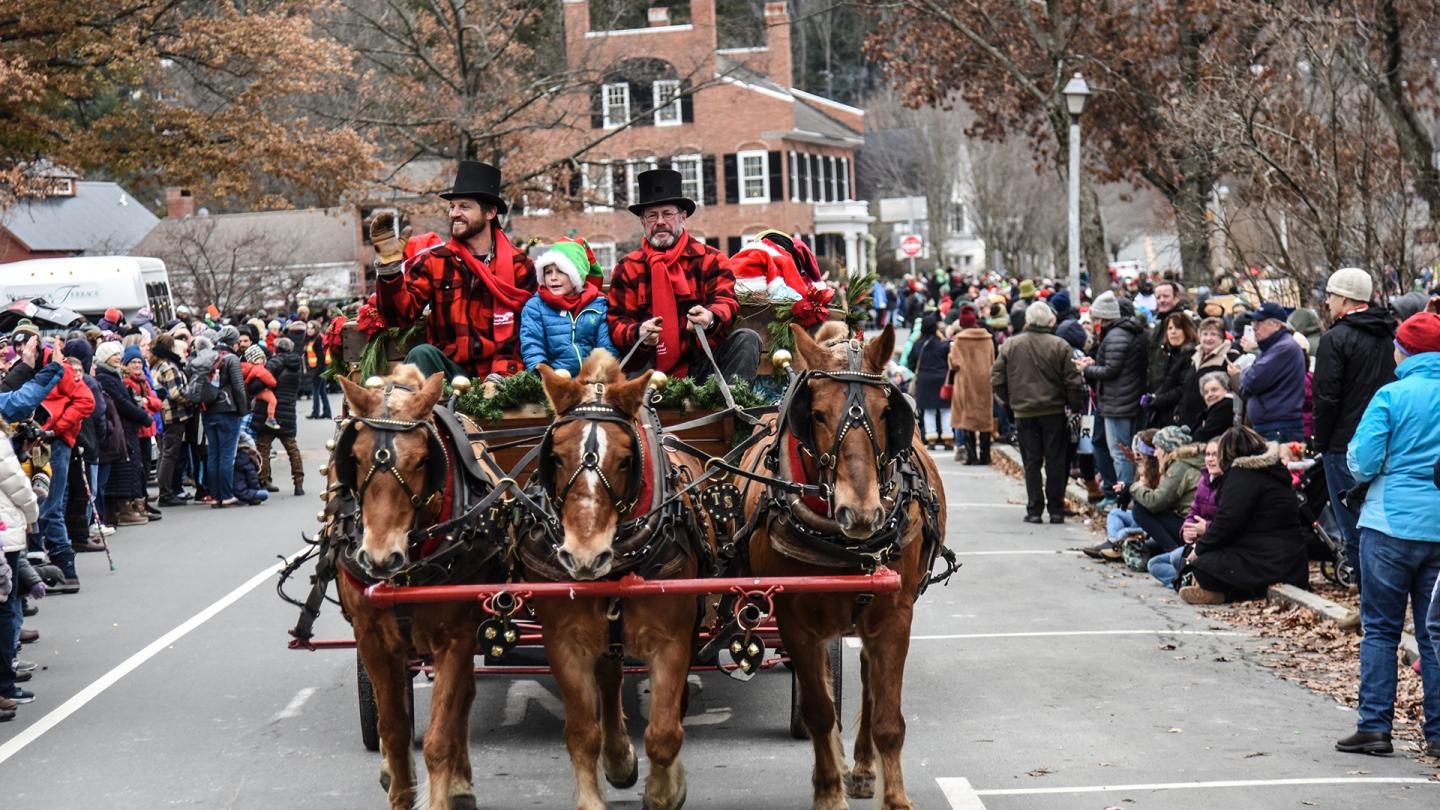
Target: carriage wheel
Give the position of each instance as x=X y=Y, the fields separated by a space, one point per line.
x=837 y=688
x=370 y=710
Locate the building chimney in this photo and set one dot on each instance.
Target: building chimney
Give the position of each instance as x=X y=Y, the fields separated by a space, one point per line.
x=658 y=16
x=179 y=203
x=777 y=41
x=577 y=24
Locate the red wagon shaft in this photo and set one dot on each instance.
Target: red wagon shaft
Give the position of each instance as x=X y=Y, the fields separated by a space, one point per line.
x=883 y=580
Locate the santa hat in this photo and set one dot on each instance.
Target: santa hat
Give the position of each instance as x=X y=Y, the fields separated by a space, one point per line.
x=1419 y=334
x=571 y=257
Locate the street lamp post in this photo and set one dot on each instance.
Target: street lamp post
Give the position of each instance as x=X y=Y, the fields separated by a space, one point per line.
x=1076 y=92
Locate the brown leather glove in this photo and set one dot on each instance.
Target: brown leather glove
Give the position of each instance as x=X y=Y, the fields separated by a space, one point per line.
x=385 y=236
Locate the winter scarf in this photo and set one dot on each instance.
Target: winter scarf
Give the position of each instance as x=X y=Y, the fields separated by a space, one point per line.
x=668 y=279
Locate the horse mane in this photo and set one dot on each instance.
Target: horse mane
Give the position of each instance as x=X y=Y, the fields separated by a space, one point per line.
x=408 y=374
x=600 y=367
x=831 y=333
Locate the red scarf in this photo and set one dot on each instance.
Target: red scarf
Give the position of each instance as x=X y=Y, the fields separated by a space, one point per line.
x=498 y=276
x=573 y=303
x=669 y=280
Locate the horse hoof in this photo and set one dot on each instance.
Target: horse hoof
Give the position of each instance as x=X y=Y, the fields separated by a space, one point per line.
x=385 y=781
x=678 y=803
x=859 y=787
x=629 y=777
x=463 y=802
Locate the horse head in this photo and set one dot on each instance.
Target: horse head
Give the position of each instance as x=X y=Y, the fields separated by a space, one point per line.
x=593 y=463
x=850 y=421
x=384 y=456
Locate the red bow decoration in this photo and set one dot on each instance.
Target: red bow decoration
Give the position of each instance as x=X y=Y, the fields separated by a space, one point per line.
x=332 y=335
x=812 y=310
x=369 y=319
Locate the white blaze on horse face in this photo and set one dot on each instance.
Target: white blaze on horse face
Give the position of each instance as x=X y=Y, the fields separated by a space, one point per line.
x=588 y=532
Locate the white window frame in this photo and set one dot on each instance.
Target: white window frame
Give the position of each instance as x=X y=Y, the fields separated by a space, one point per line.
x=764 y=157
x=845 y=179
x=832 y=173
x=599 y=198
x=697 y=161
x=604 y=256
x=794 y=177
x=607 y=105
x=669 y=114
x=633 y=168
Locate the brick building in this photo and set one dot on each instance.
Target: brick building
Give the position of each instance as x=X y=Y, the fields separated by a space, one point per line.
x=755 y=152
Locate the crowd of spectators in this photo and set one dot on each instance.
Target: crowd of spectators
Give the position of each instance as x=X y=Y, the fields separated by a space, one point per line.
x=98 y=415
x=1192 y=417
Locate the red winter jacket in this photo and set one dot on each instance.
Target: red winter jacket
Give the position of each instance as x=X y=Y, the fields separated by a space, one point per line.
x=68 y=403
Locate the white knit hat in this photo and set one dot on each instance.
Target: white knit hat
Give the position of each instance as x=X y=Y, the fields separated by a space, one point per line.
x=1351 y=282
x=566 y=256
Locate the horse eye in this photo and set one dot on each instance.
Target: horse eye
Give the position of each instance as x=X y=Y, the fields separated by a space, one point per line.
x=818 y=416
x=555 y=459
x=625 y=463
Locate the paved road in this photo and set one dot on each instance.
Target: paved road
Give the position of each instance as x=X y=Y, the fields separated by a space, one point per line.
x=168 y=684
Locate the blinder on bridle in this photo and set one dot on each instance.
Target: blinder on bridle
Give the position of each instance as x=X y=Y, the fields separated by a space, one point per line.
x=383 y=456
x=594 y=414
x=899 y=420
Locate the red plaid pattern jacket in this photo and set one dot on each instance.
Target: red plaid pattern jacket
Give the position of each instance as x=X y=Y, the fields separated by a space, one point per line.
x=462 y=309
x=631 y=297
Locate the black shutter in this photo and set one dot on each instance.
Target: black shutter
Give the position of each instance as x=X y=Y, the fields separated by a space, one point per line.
x=817 y=179
x=732 y=180
x=827 y=186
x=732 y=245
x=619 y=184
x=803 y=161
x=707 y=178
x=642 y=98
x=687 y=103
x=777 y=177
x=597 y=107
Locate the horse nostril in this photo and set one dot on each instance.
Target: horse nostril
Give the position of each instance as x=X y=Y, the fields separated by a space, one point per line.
x=365 y=561
x=394 y=561
x=878 y=517
x=845 y=516
x=602 y=561
x=567 y=560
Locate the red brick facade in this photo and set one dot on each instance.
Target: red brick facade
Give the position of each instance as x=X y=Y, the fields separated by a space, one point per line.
x=756 y=152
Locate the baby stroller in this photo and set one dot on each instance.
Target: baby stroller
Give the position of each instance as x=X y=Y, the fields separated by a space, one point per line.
x=1325 y=541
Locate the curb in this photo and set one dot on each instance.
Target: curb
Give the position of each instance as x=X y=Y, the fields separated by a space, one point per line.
x=1333 y=611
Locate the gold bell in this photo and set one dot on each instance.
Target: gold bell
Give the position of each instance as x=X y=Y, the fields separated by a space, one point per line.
x=374 y=383
x=324 y=469
x=511 y=636
x=562 y=373
x=330 y=444
x=320 y=516
x=781 y=358
x=461 y=384
x=658 y=380
x=490 y=634
x=496 y=651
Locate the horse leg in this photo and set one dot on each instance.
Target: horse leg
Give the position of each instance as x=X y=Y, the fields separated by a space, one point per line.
x=860 y=782
x=573 y=665
x=617 y=755
x=817 y=708
x=447 y=740
x=669 y=668
x=887 y=649
x=383 y=653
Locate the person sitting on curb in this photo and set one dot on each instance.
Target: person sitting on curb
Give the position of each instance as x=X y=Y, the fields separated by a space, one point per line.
x=1166 y=567
x=1161 y=510
x=248 y=487
x=1255 y=540
x=1219 y=415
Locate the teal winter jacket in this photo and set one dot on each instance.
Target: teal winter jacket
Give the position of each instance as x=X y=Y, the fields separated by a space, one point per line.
x=1395 y=448
x=556 y=339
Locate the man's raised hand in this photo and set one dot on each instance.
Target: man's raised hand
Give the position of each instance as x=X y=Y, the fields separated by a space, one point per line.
x=385 y=236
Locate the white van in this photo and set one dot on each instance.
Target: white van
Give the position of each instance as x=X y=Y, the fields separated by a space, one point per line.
x=90 y=285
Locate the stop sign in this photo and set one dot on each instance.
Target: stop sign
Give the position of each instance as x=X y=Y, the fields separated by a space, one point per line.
x=912 y=245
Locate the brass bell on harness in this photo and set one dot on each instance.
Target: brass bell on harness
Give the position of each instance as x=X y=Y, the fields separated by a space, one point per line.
x=562 y=373
x=375 y=383
x=330 y=444
x=461 y=384
x=658 y=380
x=781 y=359
x=320 y=516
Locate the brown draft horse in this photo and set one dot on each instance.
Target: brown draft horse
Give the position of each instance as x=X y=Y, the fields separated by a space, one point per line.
x=593 y=468
x=391 y=490
x=808 y=622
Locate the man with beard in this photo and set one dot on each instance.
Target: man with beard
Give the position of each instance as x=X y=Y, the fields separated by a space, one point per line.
x=475 y=283
x=673 y=283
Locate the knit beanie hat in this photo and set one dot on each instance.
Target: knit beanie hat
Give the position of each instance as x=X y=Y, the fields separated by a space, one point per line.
x=1107 y=306
x=131 y=353
x=1027 y=288
x=1060 y=302
x=114 y=315
x=1172 y=438
x=1419 y=334
x=1352 y=283
x=255 y=354
x=229 y=336
x=80 y=349
x=107 y=350
x=967 y=317
x=25 y=327
x=569 y=258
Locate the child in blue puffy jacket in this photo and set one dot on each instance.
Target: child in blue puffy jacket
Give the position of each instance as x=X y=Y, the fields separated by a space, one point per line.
x=566 y=321
x=247 y=472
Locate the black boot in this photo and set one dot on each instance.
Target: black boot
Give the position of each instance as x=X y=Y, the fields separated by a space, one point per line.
x=971 y=458
x=1366 y=742
x=985 y=448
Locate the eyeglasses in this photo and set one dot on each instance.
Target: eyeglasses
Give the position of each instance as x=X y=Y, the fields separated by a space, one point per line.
x=667 y=215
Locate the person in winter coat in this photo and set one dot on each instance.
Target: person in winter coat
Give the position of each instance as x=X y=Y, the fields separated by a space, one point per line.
x=1274 y=385
x=1177 y=350
x=1118 y=371
x=1161 y=510
x=220 y=368
x=562 y=324
x=1215 y=352
x=30 y=383
x=248 y=486
x=137 y=382
x=19 y=511
x=929 y=359
x=1255 y=540
x=260 y=386
x=1305 y=322
x=1169 y=301
x=176 y=412
x=67 y=405
x=1354 y=358
x=1037 y=378
x=1219 y=415
x=1166 y=567
x=315 y=363
x=123 y=483
x=1393 y=448
x=972 y=409
x=87 y=528
x=288 y=369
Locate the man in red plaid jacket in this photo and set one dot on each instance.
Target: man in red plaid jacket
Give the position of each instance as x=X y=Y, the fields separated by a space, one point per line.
x=659 y=293
x=475 y=284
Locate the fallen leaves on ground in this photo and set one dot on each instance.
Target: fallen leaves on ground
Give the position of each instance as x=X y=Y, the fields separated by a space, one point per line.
x=1040 y=771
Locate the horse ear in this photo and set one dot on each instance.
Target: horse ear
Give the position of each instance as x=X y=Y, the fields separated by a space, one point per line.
x=429 y=394
x=808 y=353
x=878 y=351
x=563 y=392
x=628 y=396
x=362 y=400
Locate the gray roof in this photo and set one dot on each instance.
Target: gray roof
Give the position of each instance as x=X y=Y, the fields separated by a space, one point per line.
x=100 y=218
x=307 y=237
x=812 y=119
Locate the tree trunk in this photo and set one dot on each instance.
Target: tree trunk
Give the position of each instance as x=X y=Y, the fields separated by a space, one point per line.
x=1191 y=205
x=1092 y=238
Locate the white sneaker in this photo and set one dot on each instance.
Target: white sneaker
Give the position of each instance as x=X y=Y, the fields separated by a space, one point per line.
x=98 y=530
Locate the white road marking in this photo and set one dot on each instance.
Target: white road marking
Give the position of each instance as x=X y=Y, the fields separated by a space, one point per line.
x=292 y=709
x=1071 y=551
x=17 y=743
x=519 y=695
x=1234 y=783
x=979 y=505
x=854 y=643
x=960 y=794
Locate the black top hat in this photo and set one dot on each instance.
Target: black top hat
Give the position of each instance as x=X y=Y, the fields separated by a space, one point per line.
x=660 y=187
x=479 y=181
